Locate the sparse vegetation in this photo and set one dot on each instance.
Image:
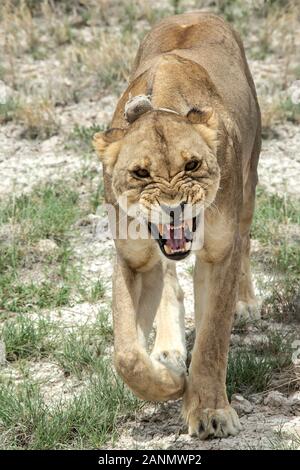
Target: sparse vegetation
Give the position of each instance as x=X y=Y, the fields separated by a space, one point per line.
x=26 y=337
x=8 y=110
x=46 y=215
x=283 y=303
x=285 y=441
x=19 y=297
x=83 y=349
x=38 y=119
x=88 y=421
x=276 y=225
x=290 y=110
x=251 y=369
x=47 y=212
x=84 y=135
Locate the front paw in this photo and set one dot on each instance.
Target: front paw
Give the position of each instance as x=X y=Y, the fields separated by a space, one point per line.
x=173 y=360
x=208 y=422
x=209 y=414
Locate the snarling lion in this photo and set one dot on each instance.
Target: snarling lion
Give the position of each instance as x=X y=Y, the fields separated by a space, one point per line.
x=185 y=132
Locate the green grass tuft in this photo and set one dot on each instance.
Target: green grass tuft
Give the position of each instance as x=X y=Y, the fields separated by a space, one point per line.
x=251 y=369
x=16 y=296
x=274 y=218
x=8 y=110
x=47 y=212
x=83 y=136
x=282 y=303
x=87 y=421
x=290 y=110
x=25 y=337
x=83 y=348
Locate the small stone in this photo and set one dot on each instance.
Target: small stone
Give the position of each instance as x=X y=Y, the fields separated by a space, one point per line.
x=241 y=405
x=276 y=399
x=294 y=401
x=48 y=145
x=256 y=399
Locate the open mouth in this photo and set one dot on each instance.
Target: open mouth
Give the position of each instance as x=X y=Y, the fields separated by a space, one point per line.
x=175 y=242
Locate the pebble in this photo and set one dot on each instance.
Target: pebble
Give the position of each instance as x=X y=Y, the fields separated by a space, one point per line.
x=241 y=405
x=276 y=399
x=294 y=401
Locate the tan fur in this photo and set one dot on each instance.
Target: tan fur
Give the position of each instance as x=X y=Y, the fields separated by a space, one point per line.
x=195 y=65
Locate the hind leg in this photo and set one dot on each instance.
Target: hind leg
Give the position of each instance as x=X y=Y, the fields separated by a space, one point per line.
x=247 y=305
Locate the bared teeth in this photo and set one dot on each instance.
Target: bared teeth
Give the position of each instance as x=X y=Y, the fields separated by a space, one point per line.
x=189 y=224
x=161 y=229
x=188 y=246
x=168 y=250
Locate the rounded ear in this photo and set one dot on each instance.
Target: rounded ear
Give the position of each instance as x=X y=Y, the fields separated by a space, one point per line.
x=206 y=122
x=137 y=106
x=202 y=116
x=107 y=145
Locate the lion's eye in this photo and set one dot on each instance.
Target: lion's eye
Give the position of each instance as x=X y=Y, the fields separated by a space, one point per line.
x=141 y=173
x=192 y=165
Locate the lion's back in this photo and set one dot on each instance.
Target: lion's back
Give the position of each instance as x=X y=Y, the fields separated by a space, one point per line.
x=208 y=40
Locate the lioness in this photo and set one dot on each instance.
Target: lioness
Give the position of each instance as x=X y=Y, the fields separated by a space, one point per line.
x=186 y=130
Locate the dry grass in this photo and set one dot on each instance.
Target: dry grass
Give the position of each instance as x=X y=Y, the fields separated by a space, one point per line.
x=89 y=47
x=39 y=119
x=72 y=55
x=287 y=381
x=277 y=42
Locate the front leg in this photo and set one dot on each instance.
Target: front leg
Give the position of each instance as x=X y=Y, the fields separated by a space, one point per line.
x=206 y=407
x=148 y=378
x=169 y=347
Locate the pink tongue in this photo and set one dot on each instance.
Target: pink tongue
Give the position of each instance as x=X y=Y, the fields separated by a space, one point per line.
x=175 y=238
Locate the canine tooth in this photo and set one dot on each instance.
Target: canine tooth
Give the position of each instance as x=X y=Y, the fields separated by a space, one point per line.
x=167 y=249
x=188 y=246
x=189 y=223
x=161 y=229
